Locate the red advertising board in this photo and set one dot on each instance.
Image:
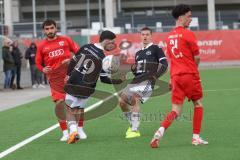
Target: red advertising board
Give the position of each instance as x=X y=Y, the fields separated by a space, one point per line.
x=215 y=46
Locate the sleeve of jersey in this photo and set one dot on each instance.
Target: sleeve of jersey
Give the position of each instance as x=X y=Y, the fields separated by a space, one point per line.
x=163 y=64
x=39 y=59
x=105 y=79
x=193 y=43
x=71 y=65
x=74 y=47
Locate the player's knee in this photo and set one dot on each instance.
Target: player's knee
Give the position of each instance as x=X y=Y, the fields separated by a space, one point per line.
x=75 y=111
x=60 y=104
x=81 y=111
x=177 y=108
x=178 y=112
x=60 y=110
x=197 y=103
x=135 y=100
x=123 y=100
x=122 y=103
x=126 y=100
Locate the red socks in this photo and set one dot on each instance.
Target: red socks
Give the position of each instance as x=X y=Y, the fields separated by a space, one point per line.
x=63 y=125
x=197 y=119
x=169 y=119
x=80 y=123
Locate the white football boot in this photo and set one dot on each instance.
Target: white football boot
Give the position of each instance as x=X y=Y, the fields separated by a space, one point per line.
x=81 y=133
x=199 y=141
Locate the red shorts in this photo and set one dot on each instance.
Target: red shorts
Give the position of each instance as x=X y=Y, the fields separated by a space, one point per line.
x=186 y=85
x=57 y=90
x=57 y=95
x=57 y=86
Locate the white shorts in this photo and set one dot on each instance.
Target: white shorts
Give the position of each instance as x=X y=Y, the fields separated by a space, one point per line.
x=74 y=102
x=143 y=90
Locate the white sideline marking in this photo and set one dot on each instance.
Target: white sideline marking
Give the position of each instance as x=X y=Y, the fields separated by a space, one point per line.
x=26 y=141
x=36 y=136
x=216 y=90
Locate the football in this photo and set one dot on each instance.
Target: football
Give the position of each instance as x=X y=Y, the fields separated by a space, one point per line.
x=110 y=64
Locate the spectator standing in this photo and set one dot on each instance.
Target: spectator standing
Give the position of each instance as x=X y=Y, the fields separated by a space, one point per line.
x=8 y=63
x=17 y=57
x=36 y=76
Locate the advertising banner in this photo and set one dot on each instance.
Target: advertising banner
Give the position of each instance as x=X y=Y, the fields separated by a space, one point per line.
x=215 y=46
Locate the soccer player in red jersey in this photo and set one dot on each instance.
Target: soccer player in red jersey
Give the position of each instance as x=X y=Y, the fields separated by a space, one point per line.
x=52 y=58
x=183 y=54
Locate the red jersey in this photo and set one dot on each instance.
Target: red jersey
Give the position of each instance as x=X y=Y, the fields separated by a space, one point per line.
x=53 y=53
x=181 y=49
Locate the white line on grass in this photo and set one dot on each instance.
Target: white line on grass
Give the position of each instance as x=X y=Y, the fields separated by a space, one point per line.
x=26 y=141
x=36 y=136
x=217 y=90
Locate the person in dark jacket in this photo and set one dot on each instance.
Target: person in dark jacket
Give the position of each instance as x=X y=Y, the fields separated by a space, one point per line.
x=17 y=56
x=36 y=76
x=8 y=63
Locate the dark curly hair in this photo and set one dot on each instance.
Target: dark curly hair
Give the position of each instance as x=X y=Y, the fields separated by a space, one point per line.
x=106 y=35
x=180 y=10
x=48 y=22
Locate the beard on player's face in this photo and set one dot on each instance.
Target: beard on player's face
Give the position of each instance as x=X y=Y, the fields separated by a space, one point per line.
x=110 y=47
x=51 y=35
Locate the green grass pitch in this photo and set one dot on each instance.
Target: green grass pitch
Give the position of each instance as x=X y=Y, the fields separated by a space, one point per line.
x=106 y=139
